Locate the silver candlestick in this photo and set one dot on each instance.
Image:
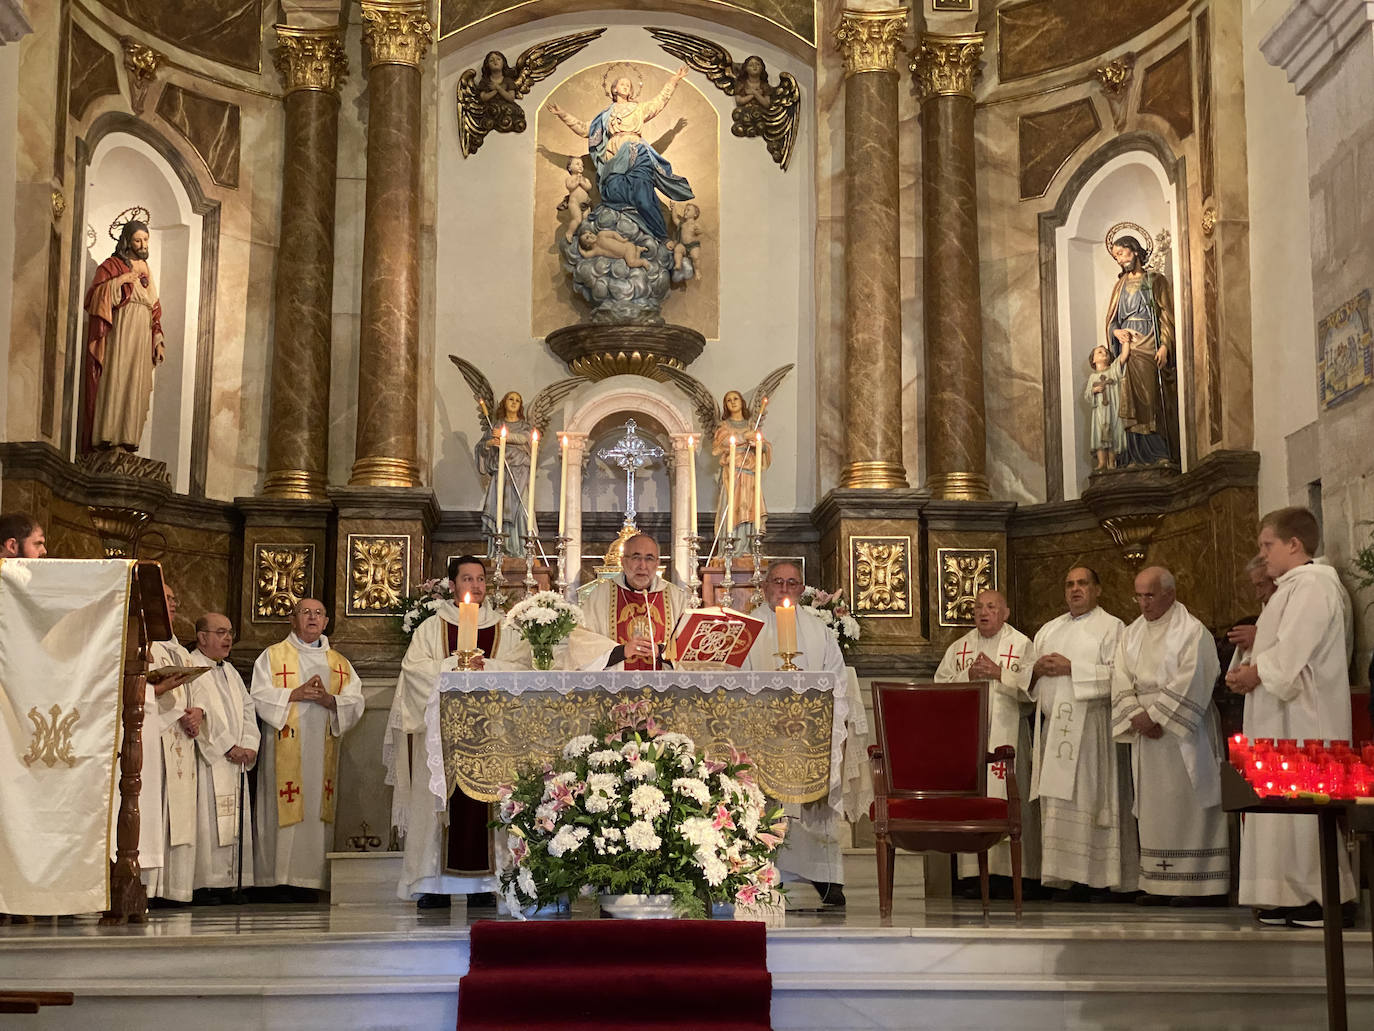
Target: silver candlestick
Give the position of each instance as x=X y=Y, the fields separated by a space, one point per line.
x=498 y=574
x=531 y=542
x=727 y=554
x=693 y=542
x=756 y=581
x=562 y=581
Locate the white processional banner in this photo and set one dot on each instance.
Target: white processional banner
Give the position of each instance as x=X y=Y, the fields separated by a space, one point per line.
x=62 y=626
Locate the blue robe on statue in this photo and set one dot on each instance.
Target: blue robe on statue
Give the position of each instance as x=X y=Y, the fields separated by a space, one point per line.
x=630 y=179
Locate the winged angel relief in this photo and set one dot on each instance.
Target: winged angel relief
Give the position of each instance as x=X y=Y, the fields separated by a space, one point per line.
x=488 y=98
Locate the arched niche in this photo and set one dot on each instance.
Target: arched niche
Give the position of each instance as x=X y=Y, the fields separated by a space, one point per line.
x=1134 y=178
x=122 y=162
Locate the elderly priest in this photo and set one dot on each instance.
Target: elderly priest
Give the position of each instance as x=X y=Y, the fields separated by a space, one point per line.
x=310 y=696
x=637 y=609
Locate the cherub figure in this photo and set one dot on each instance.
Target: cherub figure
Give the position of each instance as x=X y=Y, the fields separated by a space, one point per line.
x=1107 y=435
x=752 y=85
x=578 y=199
x=609 y=244
x=686 y=217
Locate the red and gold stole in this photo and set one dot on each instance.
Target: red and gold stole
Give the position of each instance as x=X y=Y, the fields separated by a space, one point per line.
x=285 y=664
x=631 y=617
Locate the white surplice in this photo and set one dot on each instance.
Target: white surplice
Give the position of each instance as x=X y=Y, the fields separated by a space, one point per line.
x=296 y=854
x=1302 y=653
x=176 y=879
x=1009 y=703
x=221 y=788
x=1166 y=669
x=599 y=617
x=1087 y=833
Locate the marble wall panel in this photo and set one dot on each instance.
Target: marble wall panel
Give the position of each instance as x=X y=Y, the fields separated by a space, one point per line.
x=1207 y=156
x=211 y=127
x=829 y=269
x=1211 y=320
x=1166 y=91
x=93 y=72
x=229 y=31
x=1048 y=138
x=1012 y=376
x=1043 y=35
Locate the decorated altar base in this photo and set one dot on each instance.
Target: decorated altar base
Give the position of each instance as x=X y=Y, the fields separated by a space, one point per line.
x=938 y=965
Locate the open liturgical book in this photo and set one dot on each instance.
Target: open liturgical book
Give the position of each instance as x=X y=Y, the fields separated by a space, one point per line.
x=713 y=638
x=189 y=673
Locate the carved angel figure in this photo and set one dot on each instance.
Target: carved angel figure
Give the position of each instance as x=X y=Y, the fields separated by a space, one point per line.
x=510 y=413
x=741 y=420
x=761 y=108
x=488 y=99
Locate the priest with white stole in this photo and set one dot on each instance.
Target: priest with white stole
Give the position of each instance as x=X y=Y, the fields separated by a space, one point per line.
x=228 y=746
x=1162 y=679
x=310 y=696
x=997 y=652
x=637 y=609
x=812 y=851
x=1087 y=835
x=1296 y=685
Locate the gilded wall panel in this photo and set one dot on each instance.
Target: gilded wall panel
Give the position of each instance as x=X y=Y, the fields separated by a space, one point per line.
x=93 y=72
x=378 y=573
x=964 y=573
x=880 y=576
x=1047 y=139
x=210 y=126
x=283 y=575
x=1043 y=35
x=795 y=16
x=229 y=31
x=1166 y=90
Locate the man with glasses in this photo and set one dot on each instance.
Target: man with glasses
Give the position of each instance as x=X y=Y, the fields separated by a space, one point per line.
x=637 y=609
x=1162 y=677
x=228 y=747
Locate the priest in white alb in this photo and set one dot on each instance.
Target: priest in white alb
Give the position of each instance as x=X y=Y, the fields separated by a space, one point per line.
x=637 y=609
x=997 y=652
x=310 y=696
x=1296 y=685
x=228 y=746
x=1162 y=678
x=1087 y=835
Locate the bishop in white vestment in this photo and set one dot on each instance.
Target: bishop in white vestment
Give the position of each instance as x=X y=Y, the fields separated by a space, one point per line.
x=1162 y=678
x=997 y=652
x=310 y=696
x=1087 y=834
x=637 y=609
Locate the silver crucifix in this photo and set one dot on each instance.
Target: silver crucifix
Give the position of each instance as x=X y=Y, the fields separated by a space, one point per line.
x=632 y=453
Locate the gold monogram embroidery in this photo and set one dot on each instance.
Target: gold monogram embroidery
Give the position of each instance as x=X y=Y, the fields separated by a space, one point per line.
x=52 y=741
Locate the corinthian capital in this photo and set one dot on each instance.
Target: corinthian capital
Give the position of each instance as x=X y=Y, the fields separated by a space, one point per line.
x=947 y=65
x=869 y=39
x=312 y=59
x=396 y=31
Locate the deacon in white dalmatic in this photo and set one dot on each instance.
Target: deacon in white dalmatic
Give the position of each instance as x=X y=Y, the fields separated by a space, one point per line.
x=1086 y=830
x=228 y=746
x=997 y=652
x=1296 y=685
x=637 y=609
x=1166 y=666
x=310 y=696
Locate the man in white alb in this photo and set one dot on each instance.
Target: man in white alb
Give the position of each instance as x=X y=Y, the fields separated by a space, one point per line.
x=1296 y=685
x=310 y=696
x=1087 y=834
x=637 y=609
x=1166 y=666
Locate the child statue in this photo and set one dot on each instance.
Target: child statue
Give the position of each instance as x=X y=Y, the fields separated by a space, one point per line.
x=1107 y=435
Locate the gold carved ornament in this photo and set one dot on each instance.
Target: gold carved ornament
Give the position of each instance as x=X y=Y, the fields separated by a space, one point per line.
x=283 y=578
x=1209 y=220
x=141 y=63
x=1115 y=76
x=310 y=59
x=947 y=65
x=881 y=576
x=59 y=205
x=52 y=740
x=964 y=574
x=376 y=572
x=1132 y=534
x=396 y=33
x=490 y=735
x=869 y=39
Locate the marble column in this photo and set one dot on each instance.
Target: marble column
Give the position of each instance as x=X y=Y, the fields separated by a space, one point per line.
x=955 y=421
x=683 y=518
x=873 y=314
x=311 y=63
x=575 y=454
x=396 y=35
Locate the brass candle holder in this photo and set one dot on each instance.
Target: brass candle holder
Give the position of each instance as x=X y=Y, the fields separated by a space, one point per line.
x=468 y=659
x=787 y=658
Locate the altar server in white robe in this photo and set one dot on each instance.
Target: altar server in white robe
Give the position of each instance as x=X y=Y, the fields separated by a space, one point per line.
x=310 y=696
x=1296 y=685
x=1087 y=833
x=1166 y=666
x=228 y=747
x=637 y=609
x=997 y=652
x=812 y=851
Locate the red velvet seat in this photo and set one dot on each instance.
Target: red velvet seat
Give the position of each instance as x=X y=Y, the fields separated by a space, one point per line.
x=930 y=780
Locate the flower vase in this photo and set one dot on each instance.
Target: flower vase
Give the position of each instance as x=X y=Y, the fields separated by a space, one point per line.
x=543 y=655
x=638 y=907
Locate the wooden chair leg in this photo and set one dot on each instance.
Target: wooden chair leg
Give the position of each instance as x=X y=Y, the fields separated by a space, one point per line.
x=1016 y=875
x=983 y=879
x=883 y=852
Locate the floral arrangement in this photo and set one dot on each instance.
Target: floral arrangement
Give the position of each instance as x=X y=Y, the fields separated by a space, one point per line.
x=543 y=619
x=418 y=607
x=833 y=611
x=630 y=808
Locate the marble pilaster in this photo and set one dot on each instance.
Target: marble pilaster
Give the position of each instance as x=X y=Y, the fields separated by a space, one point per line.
x=396 y=34
x=873 y=315
x=956 y=429
x=311 y=62
x=575 y=457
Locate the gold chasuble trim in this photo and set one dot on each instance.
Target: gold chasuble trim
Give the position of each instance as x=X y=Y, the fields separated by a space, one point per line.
x=284 y=663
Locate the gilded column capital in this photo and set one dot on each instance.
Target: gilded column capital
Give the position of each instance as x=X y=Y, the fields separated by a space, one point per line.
x=869 y=39
x=947 y=65
x=310 y=59
x=396 y=31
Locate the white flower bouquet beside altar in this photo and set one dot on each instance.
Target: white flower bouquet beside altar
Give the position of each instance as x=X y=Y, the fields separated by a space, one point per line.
x=418 y=607
x=543 y=619
x=631 y=808
x=833 y=611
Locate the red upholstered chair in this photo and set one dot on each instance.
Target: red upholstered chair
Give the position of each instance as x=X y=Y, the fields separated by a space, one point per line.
x=930 y=769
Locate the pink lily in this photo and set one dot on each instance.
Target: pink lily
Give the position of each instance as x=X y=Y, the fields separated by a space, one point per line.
x=722 y=819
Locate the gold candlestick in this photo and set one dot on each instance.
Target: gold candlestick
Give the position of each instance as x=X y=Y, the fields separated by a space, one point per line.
x=787 y=658
x=468 y=660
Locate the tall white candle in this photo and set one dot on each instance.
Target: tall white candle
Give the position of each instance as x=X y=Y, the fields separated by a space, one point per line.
x=730 y=493
x=691 y=485
x=758 y=482
x=563 y=486
x=501 y=478
x=534 y=473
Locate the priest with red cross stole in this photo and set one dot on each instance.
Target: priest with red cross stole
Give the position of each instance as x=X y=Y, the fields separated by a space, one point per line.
x=310 y=696
x=1166 y=666
x=637 y=609
x=997 y=652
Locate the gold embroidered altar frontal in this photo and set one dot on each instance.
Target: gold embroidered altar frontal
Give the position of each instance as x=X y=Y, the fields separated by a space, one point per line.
x=493 y=723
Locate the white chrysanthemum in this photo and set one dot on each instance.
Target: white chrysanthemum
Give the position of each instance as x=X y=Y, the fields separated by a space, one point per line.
x=546 y=811
x=733 y=789
x=525 y=880
x=596 y=804
x=688 y=763
x=700 y=831
x=640 y=836
x=541 y=615
x=631 y=749
x=612 y=834
x=608 y=783
x=679 y=743
x=694 y=788
x=749 y=821
x=851 y=627
x=641 y=769
x=578 y=745
x=600 y=760
x=712 y=866
x=567 y=840
x=648 y=801
x=754 y=793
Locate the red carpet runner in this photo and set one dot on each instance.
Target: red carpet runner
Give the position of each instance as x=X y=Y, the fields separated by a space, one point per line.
x=599 y=975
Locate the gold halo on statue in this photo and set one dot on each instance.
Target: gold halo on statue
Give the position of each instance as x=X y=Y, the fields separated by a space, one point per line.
x=138 y=213
x=1148 y=241
x=635 y=76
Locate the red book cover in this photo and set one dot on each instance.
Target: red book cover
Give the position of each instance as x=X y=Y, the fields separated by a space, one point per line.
x=714 y=638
